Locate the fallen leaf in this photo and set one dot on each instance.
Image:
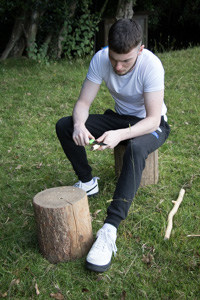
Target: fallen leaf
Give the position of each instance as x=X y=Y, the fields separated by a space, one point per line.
x=147 y=259
x=4 y=295
x=39 y=165
x=15 y=281
x=123 y=295
x=7 y=220
x=99 y=278
x=150 y=248
x=18 y=167
x=36 y=289
x=58 y=296
x=96 y=213
x=84 y=290
x=137 y=239
x=129 y=234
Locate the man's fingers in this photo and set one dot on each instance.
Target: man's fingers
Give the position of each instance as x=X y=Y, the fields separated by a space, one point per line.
x=81 y=140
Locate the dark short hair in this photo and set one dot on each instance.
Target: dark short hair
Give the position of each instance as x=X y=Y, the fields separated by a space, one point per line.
x=124 y=35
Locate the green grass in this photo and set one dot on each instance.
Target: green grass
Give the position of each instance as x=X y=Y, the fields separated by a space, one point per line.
x=33 y=97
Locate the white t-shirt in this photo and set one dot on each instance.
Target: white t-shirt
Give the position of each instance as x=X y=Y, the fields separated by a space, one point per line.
x=128 y=90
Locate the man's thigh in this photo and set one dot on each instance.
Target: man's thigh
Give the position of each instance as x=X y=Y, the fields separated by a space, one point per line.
x=97 y=124
x=150 y=142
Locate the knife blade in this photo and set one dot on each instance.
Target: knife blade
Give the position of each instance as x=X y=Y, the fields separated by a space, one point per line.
x=95 y=144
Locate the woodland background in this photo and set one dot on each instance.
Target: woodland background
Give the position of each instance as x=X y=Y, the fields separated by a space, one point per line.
x=46 y=29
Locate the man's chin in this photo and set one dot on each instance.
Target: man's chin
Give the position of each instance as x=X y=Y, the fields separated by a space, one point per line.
x=120 y=73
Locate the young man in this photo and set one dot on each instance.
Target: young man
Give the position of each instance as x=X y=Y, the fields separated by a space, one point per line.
x=135 y=78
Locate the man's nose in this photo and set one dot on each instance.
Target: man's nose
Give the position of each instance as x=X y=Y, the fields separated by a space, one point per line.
x=118 y=65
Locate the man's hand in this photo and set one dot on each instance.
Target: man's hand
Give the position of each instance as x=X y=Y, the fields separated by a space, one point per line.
x=81 y=135
x=110 y=138
x=87 y=95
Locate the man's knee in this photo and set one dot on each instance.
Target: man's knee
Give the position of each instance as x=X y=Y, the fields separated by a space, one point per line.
x=63 y=125
x=59 y=126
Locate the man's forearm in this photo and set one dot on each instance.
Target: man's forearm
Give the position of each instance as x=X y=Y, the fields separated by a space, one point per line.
x=143 y=127
x=80 y=114
x=86 y=97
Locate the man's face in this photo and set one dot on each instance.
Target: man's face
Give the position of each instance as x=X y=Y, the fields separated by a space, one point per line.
x=124 y=63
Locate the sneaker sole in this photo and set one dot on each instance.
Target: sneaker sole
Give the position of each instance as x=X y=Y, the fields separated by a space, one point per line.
x=96 y=268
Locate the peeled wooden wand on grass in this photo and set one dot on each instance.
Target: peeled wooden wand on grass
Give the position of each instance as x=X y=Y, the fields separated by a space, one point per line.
x=172 y=213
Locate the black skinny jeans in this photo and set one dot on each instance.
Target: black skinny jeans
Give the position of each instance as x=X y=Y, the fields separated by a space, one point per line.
x=135 y=155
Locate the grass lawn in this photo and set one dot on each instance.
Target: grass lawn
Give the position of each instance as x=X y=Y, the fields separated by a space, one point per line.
x=33 y=97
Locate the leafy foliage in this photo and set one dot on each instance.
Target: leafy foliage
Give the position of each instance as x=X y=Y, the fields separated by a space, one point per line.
x=69 y=21
x=79 y=33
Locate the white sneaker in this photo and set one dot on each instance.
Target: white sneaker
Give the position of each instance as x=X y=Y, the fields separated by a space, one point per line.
x=91 y=190
x=99 y=256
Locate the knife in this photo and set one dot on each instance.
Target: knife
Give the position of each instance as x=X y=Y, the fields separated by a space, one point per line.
x=95 y=144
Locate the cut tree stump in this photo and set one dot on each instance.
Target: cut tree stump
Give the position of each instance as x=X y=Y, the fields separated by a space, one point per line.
x=63 y=223
x=149 y=174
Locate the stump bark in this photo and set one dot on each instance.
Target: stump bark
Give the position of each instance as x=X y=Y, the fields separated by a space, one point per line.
x=63 y=223
x=149 y=174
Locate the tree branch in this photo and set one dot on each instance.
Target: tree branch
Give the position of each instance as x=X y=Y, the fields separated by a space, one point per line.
x=172 y=213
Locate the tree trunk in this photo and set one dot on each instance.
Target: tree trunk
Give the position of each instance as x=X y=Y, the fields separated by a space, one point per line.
x=125 y=9
x=18 y=48
x=63 y=222
x=61 y=35
x=61 y=38
x=23 y=34
x=31 y=30
x=149 y=174
x=45 y=45
x=16 y=34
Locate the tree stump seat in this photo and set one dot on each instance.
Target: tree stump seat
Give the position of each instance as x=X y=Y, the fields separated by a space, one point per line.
x=150 y=173
x=63 y=223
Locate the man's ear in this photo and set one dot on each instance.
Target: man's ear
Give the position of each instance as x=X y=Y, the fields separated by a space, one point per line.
x=140 y=49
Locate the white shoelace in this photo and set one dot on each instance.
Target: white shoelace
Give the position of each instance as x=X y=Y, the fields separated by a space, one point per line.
x=105 y=240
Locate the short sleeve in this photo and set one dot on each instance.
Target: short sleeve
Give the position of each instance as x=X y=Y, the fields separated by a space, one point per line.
x=95 y=69
x=154 y=76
